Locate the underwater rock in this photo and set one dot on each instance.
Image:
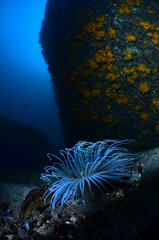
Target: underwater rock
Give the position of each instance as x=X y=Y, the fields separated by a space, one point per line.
x=103 y=57
x=125 y=213
x=32 y=202
x=21 y=145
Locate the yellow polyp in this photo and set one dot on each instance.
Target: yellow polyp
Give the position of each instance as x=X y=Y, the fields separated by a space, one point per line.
x=155 y=41
x=100 y=21
x=110 y=55
x=150 y=34
x=155 y=103
x=108 y=106
x=115 y=86
x=131 y=38
x=100 y=18
x=99 y=25
x=98 y=35
x=96 y=92
x=112 y=33
x=148 y=71
x=130 y=2
x=144 y=88
x=127 y=55
x=90 y=27
x=124 y=10
x=143 y=68
x=129 y=71
x=134 y=75
x=146 y=26
x=111 y=77
x=109 y=67
x=107 y=47
x=138 y=3
x=138 y=108
x=145 y=41
x=144 y=117
x=92 y=64
x=100 y=56
x=130 y=80
x=149 y=10
x=122 y=100
x=135 y=96
x=154 y=37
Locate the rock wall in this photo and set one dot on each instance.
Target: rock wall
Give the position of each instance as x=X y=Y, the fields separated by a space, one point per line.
x=103 y=58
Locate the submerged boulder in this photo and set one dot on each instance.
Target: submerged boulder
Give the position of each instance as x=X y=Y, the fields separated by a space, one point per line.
x=103 y=57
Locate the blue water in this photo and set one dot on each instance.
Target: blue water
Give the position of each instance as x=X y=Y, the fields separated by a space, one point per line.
x=26 y=92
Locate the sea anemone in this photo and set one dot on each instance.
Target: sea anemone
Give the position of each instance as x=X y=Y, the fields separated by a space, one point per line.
x=84 y=167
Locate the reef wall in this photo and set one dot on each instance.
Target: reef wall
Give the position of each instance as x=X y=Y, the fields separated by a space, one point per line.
x=103 y=57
